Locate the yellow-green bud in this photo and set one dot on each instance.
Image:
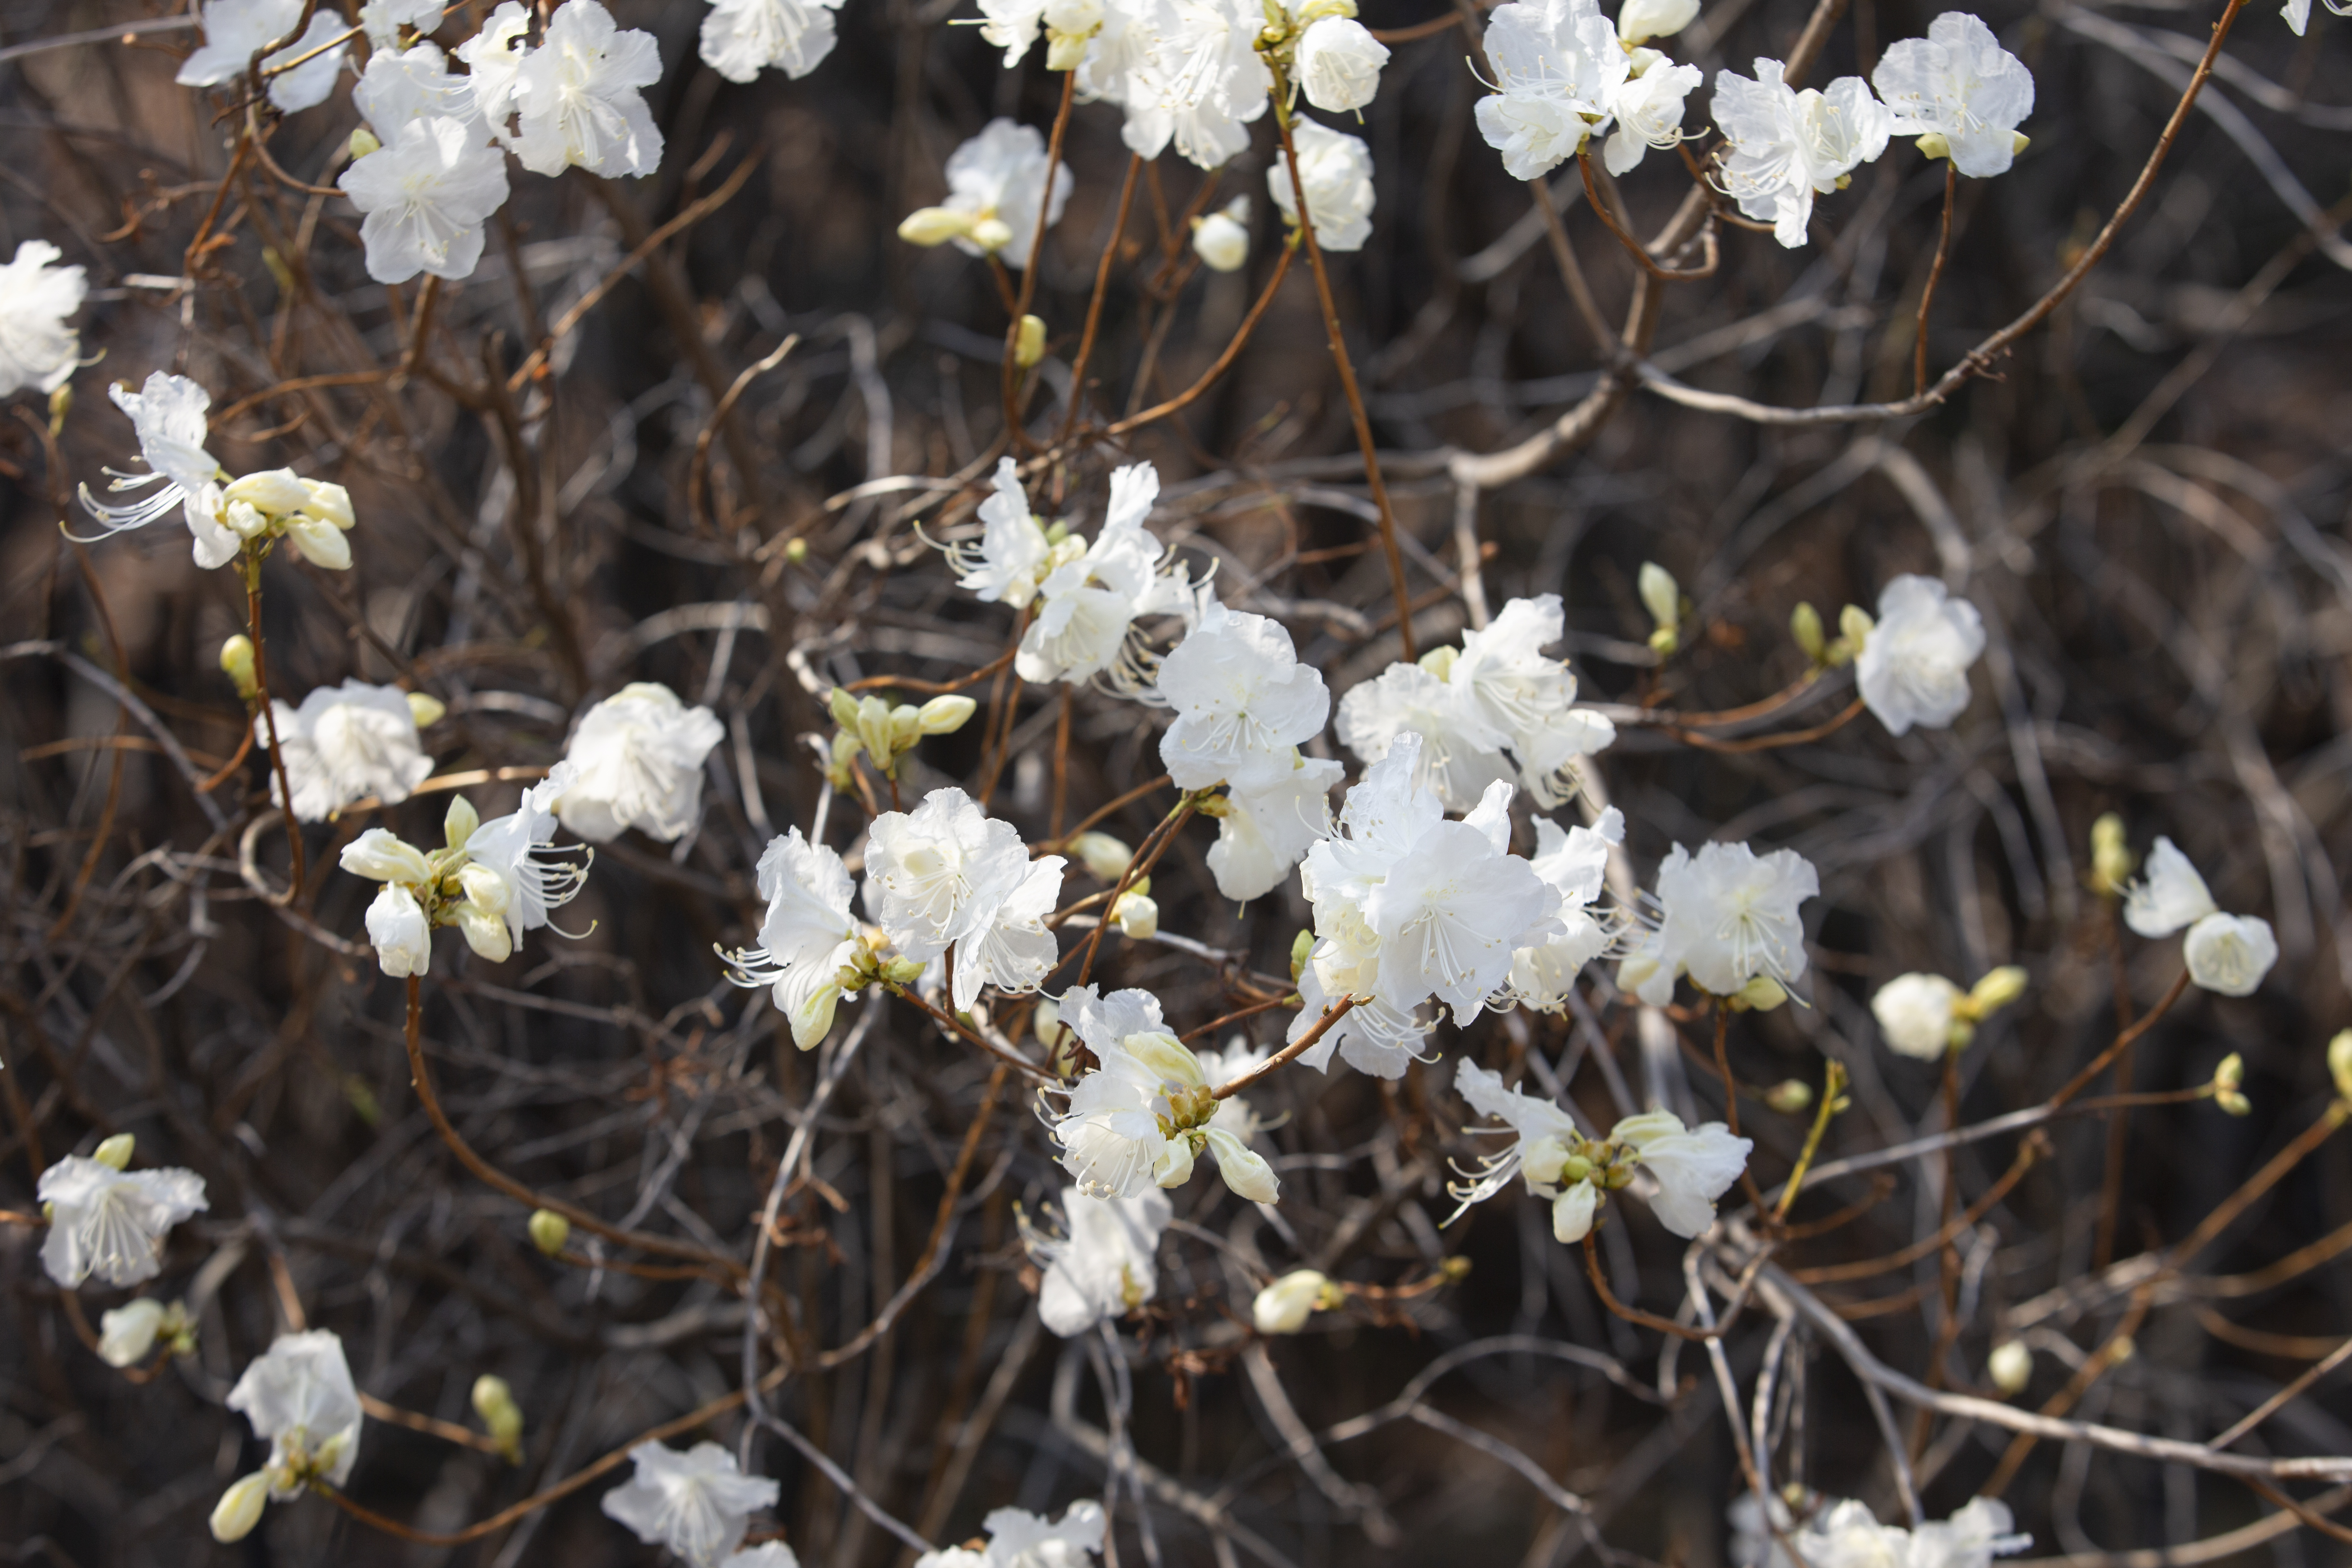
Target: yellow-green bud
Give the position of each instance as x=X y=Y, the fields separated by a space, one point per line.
x=797 y=551
x=1064 y=50
x=935 y=226
x=548 y=1231
x=60 y=404
x=842 y=703
x=1934 y=145
x=458 y=824
x=1661 y=595
x=903 y=971
x=1997 y=990
x=239 y=1508
x=2017 y=143
x=1790 y=1096
x=1805 y=625
x=2121 y=1349
x=1030 y=346
x=426 y=709
x=1454 y=1270
x=1439 y=661
x=2112 y=861
x=1300 y=946
x=946 y=714
x=2226 y=1079
x=2011 y=1367
x=906 y=726
x=236 y=663
x=115 y=1150
x=992 y=233
x=1855 y=626
x=363 y=143
x=1283 y=1307
x=2340 y=1062
x=494 y=1402
x=1104 y=857
x=1762 y=994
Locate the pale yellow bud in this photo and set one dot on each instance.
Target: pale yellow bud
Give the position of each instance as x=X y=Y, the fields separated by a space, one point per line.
x=992 y=233
x=1064 y=50
x=1283 y=1307
x=457 y=823
x=1104 y=857
x=239 y=1508
x=236 y=663
x=944 y=715
x=2226 y=1081
x=2017 y=143
x=935 y=226
x=1997 y=990
x=116 y=1151
x=906 y=726
x=1136 y=916
x=2112 y=861
x=1661 y=595
x=842 y=703
x=363 y=143
x=494 y=1402
x=1762 y=995
x=2339 y=1063
x=2011 y=1367
x=1933 y=145
x=60 y=404
x=1031 y=345
x=321 y=542
x=329 y=502
x=1439 y=661
x=1855 y=626
x=1301 y=947
x=548 y=1231
x=1790 y=1096
x=427 y=709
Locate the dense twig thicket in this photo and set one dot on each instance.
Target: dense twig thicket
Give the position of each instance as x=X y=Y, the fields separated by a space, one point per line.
x=708 y=427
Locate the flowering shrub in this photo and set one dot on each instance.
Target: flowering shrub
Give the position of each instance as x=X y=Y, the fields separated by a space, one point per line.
x=946 y=663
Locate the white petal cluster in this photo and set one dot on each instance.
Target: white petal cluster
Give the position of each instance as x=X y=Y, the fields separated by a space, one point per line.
x=1648 y=108
x=1336 y=60
x=1728 y=917
x=1574 y=861
x=1691 y=1167
x=1787 y=146
x=168 y=415
x=517 y=850
x=382 y=21
x=1141 y=1118
x=576 y=97
x=1915 y=1013
x=1496 y=693
x=946 y=876
x=636 y=762
x=1642 y=20
x=807 y=937
x=301 y=1400
x=109 y=1222
x=234 y=29
x=36 y=348
x=742 y=37
x=1091 y=595
x=1012 y=553
x=1243 y=703
x=1913 y=664
x=1558 y=67
x=695 y=1503
x=1221 y=239
x=345 y=744
x=1335 y=171
x=1263 y=831
x=438 y=177
x=1019 y=1539
x=1188 y=73
x=2229 y=954
x=1104 y=1268
x=1957 y=84
x=996 y=182
x=2298 y=13
x=1847 y=1534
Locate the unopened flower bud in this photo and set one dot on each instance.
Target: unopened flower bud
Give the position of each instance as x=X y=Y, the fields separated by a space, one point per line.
x=1934 y=145
x=239 y=1508
x=381 y=855
x=236 y=663
x=2226 y=1081
x=458 y=824
x=548 y=1231
x=128 y=1332
x=1997 y=990
x=329 y=502
x=484 y=931
x=946 y=714
x=242 y=518
x=2111 y=858
x=426 y=709
x=797 y=551
x=1762 y=995
x=1030 y=347
x=903 y=971
x=1283 y=1307
x=992 y=233
x=321 y=542
x=275 y=493
x=1439 y=661
x=842 y=703
x=60 y=404
x=1790 y=1096
x=1135 y=915
x=906 y=726
x=2339 y=1063
x=1063 y=51
x=363 y=143
x=116 y=1151
x=935 y=226
x=1045 y=1021
x=1805 y=625
x=1221 y=238
x=1661 y=595
x=2017 y=143
x=1301 y=947
x=1854 y=627
x=2121 y=1349
x=2011 y=1367
x=494 y=1402
x=1104 y=857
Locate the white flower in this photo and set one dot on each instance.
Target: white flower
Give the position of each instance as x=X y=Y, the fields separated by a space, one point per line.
x=400 y=932
x=1545 y=1139
x=416 y=83
x=1958 y=83
x=1242 y=702
x=1502 y=675
x=493 y=57
x=695 y=1503
x=1012 y=553
x=1116 y=1131
x=126 y=1334
x=381 y=855
x=1847 y=1534
x=1730 y=916
x=234 y=29
x=807 y=937
x=1339 y=64
x=1556 y=65
x=1283 y=1306
x=741 y=37
x=1104 y=1267
x=1221 y=238
x=1265 y=831
x=168 y=413
x=299 y=1399
x=1693 y=1166
x=1786 y=145
x=998 y=178
x=638 y=759
x=2171 y=895
x=36 y=348
x=1574 y=862
x=767 y=1554
x=1014 y=951
x=1089 y=600
x=382 y=20
x=111 y=1223
x=2229 y=953
x=1335 y=169
x=345 y=744
x=1460 y=754
x=2298 y=13
x=1192 y=76
x=1648 y=106
x=1914 y=665
x=1915 y=1013
x=940 y=873
x=1371 y=1036
x=1642 y=20
x=516 y=885
x=579 y=99
x=427 y=193
x=1018 y=1539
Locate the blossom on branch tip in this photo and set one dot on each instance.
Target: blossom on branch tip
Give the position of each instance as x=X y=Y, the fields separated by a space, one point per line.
x=234 y=29
x=637 y=757
x=1012 y=553
x=1337 y=62
x=1263 y=832
x=1574 y=861
x=1958 y=86
x=1648 y=108
x=941 y=873
x=1141 y=1118
x=1787 y=145
x=110 y=1223
x=1727 y=916
x=1221 y=239
x=1847 y=1534
x=1105 y=1266
x=425 y=196
x=522 y=882
x=694 y=1501
x=2171 y=894
x=1335 y=171
x=1192 y=76
x=1502 y=675
x=168 y=415
x=1283 y=1306
x=299 y=1399
x=36 y=348
x=1913 y=664
x=2229 y=954
x=1019 y=1539
x=742 y=37
x=343 y=744
x=1243 y=703
x=996 y=182
x=807 y=938
x=579 y=97
x=1558 y=65
x=1092 y=594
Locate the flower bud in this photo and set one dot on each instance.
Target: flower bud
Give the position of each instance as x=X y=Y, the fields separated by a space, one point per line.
x=1046 y=1022
x=2011 y=1367
x=1221 y=238
x=458 y=823
x=2017 y=143
x=128 y=1332
x=381 y=856
x=485 y=933
x=1063 y=51
x=1661 y=595
x=1855 y=626
x=992 y=233
x=329 y=502
x=1030 y=347
x=1934 y=145
x=1997 y=990
x=240 y=517
x=903 y=971
x=402 y=935
x=485 y=889
x=1136 y=916
x=1167 y=1056
x=1439 y=661
x=1283 y=1307
x=60 y=404
x=239 y=1508
x=1244 y=1168
x=1805 y=625
x=494 y=1402
x=1762 y=995
x=116 y=1151
x=2121 y=1349
x=944 y=715
x=548 y=1231
x=236 y=663
x=2111 y=858
x=906 y=726
x=811 y=1017
x=274 y=492
x=425 y=709
x=1302 y=947
x=1104 y=857
x=1338 y=63
x=321 y=542
x=363 y=143
x=1642 y=20
x=1790 y=1096
x=2339 y=1063
x=2226 y=1079
x=797 y=551
x=842 y=703
x=935 y=226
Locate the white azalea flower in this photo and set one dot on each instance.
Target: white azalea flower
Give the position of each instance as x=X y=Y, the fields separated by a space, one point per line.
x=168 y=413
x=1787 y=146
x=742 y=37
x=515 y=884
x=1913 y=664
x=2229 y=955
x=1648 y=107
x=695 y=1503
x=2298 y=13
x=767 y=1554
x=1502 y=675
x=1338 y=64
x=1916 y=1014
x=299 y=1399
x=807 y=937
x=1141 y=1118
x=1546 y=1138
x=1642 y=20
x=638 y=759
x=941 y=873
x=1460 y=754
x=1012 y=553
x=1104 y=1268
x=2170 y=895
x=1265 y=831
x=1453 y=910
x=425 y=194
x=36 y=348
x=1728 y=917
x=494 y=58
x=1018 y=1539
x=111 y=1223
x=1693 y=1166
x=1192 y=78
x=382 y=20
x=996 y=182
x=234 y=29
x=1014 y=952
x=1221 y=239
x=400 y=931
x=1335 y=170
x=1090 y=598
x=1558 y=64
x=1574 y=861
x=1847 y=1534
x=579 y=96
x=1374 y=1038
x=416 y=83
x=345 y=744
x=1242 y=702
x=1959 y=84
